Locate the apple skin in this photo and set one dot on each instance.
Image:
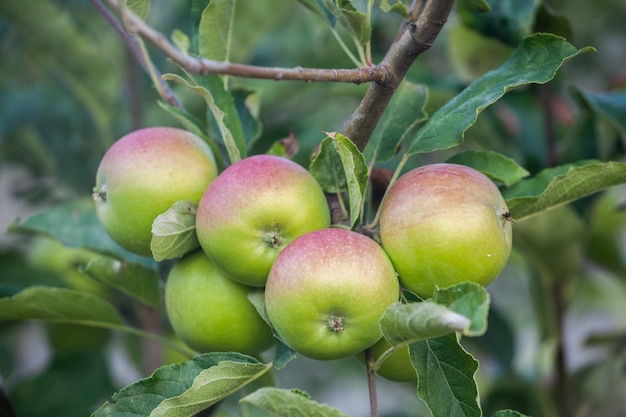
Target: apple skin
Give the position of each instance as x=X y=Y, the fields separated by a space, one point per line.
x=142 y=175
x=443 y=224
x=327 y=291
x=397 y=367
x=210 y=312
x=253 y=210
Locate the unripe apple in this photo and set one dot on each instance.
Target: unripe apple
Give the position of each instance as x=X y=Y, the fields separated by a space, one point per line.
x=397 y=367
x=253 y=210
x=142 y=175
x=443 y=224
x=210 y=312
x=327 y=291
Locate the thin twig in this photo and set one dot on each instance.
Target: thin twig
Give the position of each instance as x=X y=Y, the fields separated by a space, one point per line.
x=371 y=382
x=202 y=66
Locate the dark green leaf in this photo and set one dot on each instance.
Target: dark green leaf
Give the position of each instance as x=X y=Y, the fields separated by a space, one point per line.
x=560 y=185
x=59 y=305
x=407 y=323
x=446 y=377
x=508 y=413
x=493 y=164
x=470 y=300
x=611 y=106
x=478 y=5
x=174 y=232
x=215 y=30
x=135 y=280
x=404 y=113
x=172 y=381
x=289 y=403
x=536 y=60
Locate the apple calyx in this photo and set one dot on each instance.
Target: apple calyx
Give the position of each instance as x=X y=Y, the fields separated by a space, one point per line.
x=100 y=193
x=273 y=238
x=335 y=324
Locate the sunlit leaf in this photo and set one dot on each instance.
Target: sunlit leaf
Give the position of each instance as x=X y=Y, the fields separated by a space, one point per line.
x=560 y=185
x=470 y=300
x=132 y=279
x=536 y=60
x=174 y=232
x=496 y=166
x=407 y=323
x=58 y=305
x=446 y=377
x=172 y=381
x=289 y=403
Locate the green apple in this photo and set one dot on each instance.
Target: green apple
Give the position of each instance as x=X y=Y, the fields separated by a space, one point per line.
x=253 y=210
x=142 y=175
x=327 y=291
x=443 y=224
x=210 y=312
x=396 y=367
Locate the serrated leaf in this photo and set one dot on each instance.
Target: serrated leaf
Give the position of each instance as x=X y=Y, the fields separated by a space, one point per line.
x=215 y=30
x=132 y=279
x=400 y=7
x=560 y=185
x=289 y=403
x=174 y=232
x=407 y=323
x=535 y=60
x=446 y=377
x=169 y=381
x=211 y=386
x=498 y=167
x=59 y=305
x=76 y=224
x=404 y=113
x=470 y=300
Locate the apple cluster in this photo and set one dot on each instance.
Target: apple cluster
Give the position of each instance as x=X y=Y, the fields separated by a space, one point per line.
x=263 y=224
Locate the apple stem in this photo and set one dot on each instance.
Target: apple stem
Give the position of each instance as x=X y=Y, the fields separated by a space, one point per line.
x=371 y=382
x=394 y=178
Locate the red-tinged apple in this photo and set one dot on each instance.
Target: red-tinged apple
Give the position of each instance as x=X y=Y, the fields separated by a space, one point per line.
x=443 y=224
x=253 y=210
x=210 y=312
x=327 y=291
x=142 y=175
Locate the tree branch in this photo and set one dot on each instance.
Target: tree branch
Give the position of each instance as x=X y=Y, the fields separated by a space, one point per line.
x=202 y=66
x=415 y=37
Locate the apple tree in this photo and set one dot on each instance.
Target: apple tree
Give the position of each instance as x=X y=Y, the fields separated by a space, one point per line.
x=312 y=207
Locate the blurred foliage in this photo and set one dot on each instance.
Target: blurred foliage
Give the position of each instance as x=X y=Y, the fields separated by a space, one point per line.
x=70 y=89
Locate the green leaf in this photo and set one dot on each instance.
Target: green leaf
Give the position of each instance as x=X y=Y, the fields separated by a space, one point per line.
x=210 y=386
x=59 y=305
x=508 y=413
x=222 y=108
x=404 y=113
x=139 y=7
x=339 y=167
x=172 y=381
x=407 y=323
x=553 y=187
x=321 y=9
x=611 y=106
x=181 y=40
x=470 y=300
x=215 y=30
x=174 y=232
x=446 y=377
x=76 y=224
x=357 y=23
x=400 y=7
x=496 y=166
x=133 y=279
x=536 y=60
x=478 y=5
x=289 y=403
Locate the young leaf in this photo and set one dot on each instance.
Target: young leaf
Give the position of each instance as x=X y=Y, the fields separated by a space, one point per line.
x=289 y=403
x=446 y=377
x=553 y=187
x=215 y=30
x=535 y=60
x=59 y=305
x=210 y=386
x=407 y=323
x=139 y=7
x=133 y=279
x=169 y=381
x=405 y=111
x=174 y=232
x=493 y=164
x=470 y=300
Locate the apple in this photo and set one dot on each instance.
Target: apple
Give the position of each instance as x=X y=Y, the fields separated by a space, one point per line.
x=397 y=367
x=210 y=312
x=443 y=224
x=253 y=210
x=142 y=175
x=327 y=291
